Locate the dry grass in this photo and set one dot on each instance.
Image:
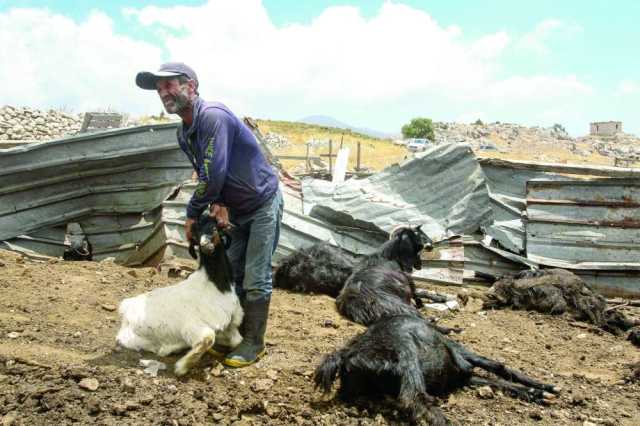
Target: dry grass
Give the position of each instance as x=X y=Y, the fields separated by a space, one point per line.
x=375 y=153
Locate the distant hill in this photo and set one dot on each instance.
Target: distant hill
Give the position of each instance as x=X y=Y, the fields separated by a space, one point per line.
x=326 y=121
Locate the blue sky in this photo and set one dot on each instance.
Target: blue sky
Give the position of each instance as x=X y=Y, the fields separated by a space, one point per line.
x=369 y=63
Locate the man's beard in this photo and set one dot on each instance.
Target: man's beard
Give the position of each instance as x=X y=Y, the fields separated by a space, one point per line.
x=177 y=103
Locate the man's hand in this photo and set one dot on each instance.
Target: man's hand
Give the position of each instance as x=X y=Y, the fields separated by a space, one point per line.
x=188 y=228
x=221 y=214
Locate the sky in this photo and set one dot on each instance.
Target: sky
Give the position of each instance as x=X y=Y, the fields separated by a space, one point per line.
x=374 y=64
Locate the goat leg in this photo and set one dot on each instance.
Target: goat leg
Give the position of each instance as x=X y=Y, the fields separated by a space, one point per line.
x=519 y=391
x=505 y=372
x=193 y=356
x=430 y=295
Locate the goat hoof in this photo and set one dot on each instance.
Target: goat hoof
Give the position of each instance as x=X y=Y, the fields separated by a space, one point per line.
x=180 y=369
x=548 y=396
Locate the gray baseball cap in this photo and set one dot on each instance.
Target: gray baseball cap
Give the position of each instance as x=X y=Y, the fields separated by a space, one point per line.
x=147 y=79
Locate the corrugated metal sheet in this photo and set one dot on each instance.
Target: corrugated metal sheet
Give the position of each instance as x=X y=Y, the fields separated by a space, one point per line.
x=298 y=230
x=589 y=226
x=112 y=172
x=443 y=189
x=507 y=182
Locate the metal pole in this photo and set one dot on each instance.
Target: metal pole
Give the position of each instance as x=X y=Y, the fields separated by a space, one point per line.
x=330 y=152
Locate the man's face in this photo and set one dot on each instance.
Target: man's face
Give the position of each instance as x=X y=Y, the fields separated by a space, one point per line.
x=174 y=96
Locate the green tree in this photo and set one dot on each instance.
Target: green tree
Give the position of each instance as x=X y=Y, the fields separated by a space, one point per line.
x=419 y=128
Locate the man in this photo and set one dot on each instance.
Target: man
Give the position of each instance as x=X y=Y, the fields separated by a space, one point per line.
x=240 y=187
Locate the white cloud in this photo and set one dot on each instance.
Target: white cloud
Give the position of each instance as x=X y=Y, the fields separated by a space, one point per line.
x=628 y=87
x=376 y=71
x=546 y=31
x=48 y=60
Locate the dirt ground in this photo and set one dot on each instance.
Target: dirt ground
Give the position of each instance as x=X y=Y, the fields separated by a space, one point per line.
x=58 y=324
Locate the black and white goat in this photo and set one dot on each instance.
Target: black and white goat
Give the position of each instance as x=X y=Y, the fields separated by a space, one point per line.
x=191 y=314
x=405 y=358
x=556 y=291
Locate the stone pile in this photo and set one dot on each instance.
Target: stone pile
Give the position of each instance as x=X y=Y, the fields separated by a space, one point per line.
x=508 y=136
x=483 y=135
x=275 y=140
x=22 y=124
x=619 y=146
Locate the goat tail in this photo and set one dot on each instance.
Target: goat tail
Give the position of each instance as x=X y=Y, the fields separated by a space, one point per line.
x=327 y=371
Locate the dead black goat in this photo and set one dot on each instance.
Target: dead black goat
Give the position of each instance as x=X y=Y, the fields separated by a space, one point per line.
x=405 y=358
x=323 y=269
x=381 y=286
x=320 y=269
x=556 y=291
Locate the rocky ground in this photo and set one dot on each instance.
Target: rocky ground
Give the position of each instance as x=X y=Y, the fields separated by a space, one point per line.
x=501 y=140
x=59 y=363
x=543 y=144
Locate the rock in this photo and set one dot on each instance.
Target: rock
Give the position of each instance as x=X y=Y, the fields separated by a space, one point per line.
x=89 y=384
x=588 y=423
x=133 y=273
x=217 y=371
x=128 y=385
x=10 y=418
x=13 y=335
x=217 y=417
x=272 y=374
x=485 y=392
x=581 y=336
x=327 y=323
x=578 y=399
x=93 y=405
x=261 y=385
x=535 y=415
x=146 y=399
x=108 y=307
x=273 y=411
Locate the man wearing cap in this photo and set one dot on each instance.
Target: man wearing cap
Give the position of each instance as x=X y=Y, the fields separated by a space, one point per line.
x=240 y=187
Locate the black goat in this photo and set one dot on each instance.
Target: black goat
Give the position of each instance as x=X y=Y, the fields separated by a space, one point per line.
x=407 y=359
x=556 y=291
x=323 y=269
x=320 y=268
x=381 y=286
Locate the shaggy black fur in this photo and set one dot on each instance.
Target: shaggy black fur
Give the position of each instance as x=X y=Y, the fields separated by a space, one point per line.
x=380 y=285
x=405 y=358
x=320 y=269
x=556 y=291
x=212 y=244
x=323 y=269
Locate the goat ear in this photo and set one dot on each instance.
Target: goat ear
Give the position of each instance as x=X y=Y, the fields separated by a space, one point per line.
x=418 y=228
x=192 y=250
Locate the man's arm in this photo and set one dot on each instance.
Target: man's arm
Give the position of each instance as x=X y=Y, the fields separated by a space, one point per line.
x=217 y=133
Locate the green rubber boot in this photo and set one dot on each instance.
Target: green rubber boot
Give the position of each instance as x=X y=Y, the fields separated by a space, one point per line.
x=252 y=348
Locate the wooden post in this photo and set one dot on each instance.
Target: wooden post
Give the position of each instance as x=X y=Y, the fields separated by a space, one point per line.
x=307 y=165
x=358 y=158
x=341 y=140
x=330 y=152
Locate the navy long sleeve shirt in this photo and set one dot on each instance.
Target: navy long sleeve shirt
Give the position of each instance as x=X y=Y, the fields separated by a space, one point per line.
x=232 y=170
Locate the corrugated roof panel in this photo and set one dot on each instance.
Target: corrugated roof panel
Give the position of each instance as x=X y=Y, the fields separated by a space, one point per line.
x=584 y=224
x=442 y=188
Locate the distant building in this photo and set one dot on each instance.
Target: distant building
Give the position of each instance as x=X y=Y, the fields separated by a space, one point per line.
x=606 y=128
